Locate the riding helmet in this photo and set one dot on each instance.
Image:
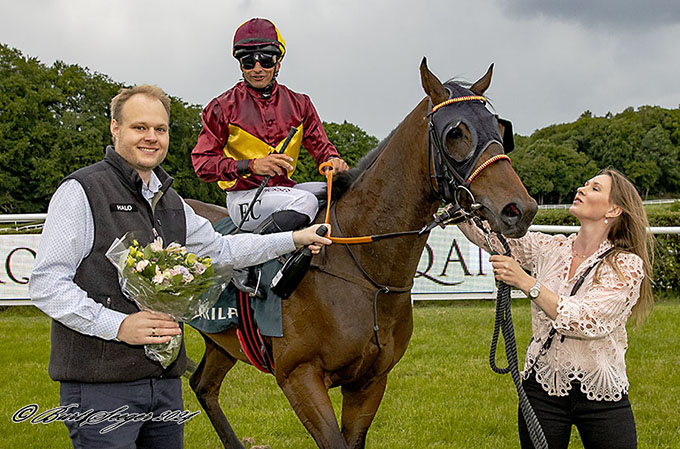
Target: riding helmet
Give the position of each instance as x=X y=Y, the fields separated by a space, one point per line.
x=258 y=35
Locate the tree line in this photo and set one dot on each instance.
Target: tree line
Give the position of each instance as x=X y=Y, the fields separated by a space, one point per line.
x=55 y=119
x=643 y=144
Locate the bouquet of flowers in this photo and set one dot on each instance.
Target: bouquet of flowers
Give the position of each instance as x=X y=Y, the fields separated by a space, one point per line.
x=169 y=280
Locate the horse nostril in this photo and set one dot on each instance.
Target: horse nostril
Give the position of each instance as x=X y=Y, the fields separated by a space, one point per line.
x=511 y=211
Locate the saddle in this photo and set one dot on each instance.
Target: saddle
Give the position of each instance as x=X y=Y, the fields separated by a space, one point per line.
x=253 y=318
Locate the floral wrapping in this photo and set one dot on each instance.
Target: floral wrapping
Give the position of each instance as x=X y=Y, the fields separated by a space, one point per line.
x=168 y=280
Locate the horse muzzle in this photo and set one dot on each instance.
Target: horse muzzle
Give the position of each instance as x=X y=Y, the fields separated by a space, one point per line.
x=514 y=218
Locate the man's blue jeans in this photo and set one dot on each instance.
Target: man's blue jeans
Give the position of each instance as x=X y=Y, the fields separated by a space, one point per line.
x=125 y=415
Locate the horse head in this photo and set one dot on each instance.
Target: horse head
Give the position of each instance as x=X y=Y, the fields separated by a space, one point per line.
x=468 y=144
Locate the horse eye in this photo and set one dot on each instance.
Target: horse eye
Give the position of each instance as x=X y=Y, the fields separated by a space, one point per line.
x=454 y=133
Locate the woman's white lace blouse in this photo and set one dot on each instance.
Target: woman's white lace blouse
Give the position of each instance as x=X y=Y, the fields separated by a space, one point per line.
x=591 y=339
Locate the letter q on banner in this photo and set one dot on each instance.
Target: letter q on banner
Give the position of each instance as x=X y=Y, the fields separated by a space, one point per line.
x=17 y=255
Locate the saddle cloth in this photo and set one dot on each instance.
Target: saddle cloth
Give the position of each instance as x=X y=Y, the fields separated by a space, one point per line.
x=224 y=314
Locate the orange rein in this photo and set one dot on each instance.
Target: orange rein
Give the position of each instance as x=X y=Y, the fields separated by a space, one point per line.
x=326 y=169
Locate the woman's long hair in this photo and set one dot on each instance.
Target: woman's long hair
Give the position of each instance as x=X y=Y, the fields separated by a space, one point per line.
x=629 y=233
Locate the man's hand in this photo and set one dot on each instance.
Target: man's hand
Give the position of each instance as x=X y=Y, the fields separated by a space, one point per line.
x=147 y=327
x=272 y=165
x=308 y=236
x=338 y=165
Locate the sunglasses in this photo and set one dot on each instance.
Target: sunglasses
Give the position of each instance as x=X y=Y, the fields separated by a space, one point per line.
x=266 y=60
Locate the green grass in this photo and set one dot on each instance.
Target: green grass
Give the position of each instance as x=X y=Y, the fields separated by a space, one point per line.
x=441 y=395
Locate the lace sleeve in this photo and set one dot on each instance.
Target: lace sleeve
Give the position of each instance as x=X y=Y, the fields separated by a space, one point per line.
x=525 y=250
x=599 y=308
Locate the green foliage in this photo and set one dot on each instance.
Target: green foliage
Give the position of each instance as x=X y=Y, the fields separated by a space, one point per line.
x=442 y=394
x=351 y=142
x=642 y=144
x=54 y=120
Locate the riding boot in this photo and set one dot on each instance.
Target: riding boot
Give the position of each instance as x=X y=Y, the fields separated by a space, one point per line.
x=287 y=220
x=283 y=220
x=248 y=280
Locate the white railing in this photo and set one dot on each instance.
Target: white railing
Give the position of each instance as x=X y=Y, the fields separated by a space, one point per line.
x=21 y=218
x=571 y=229
x=567 y=206
x=25 y=218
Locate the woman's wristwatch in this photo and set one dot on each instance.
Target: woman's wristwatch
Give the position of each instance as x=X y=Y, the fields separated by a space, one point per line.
x=535 y=291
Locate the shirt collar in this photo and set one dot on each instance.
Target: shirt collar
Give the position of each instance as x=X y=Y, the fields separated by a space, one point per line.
x=154 y=187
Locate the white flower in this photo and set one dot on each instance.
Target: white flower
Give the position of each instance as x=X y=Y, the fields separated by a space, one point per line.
x=175 y=248
x=157 y=244
x=158 y=277
x=139 y=266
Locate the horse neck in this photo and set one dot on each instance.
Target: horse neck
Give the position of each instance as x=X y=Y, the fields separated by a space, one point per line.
x=393 y=195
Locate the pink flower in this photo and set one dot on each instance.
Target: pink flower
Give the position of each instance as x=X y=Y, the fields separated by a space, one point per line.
x=199 y=268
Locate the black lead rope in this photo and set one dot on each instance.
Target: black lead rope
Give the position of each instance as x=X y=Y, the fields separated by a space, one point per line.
x=503 y=324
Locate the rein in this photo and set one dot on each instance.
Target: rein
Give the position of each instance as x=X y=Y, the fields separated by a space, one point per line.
x=503 y=324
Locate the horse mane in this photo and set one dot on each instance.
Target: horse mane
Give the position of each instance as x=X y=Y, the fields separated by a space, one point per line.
x=343 y=181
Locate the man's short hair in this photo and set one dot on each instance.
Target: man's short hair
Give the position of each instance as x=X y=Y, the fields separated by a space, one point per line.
x=125 y=93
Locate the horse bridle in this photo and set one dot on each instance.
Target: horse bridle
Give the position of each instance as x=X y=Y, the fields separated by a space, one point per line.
x=451 y=177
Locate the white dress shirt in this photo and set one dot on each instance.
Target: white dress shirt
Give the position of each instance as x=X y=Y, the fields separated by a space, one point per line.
x=68 y=237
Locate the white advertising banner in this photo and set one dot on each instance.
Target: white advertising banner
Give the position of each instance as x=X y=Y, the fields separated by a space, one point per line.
x=450 y=268
x=17 y=255
x=453 y=268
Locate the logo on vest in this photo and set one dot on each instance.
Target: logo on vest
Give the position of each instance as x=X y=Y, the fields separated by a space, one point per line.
x=123 y=207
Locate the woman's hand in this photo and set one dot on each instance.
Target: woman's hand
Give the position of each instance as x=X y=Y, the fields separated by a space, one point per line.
x=508 y=270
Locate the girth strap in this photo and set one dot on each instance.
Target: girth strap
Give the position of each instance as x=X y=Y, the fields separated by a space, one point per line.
x=249 y=336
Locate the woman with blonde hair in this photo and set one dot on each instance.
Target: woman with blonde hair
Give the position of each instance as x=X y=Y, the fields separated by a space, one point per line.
x=583 y=289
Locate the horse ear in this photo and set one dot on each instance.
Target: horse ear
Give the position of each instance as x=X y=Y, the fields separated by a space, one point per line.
x=484 y=82
x=431 y=84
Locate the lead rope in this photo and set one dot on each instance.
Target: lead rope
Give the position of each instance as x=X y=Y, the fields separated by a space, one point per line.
x=503 y=324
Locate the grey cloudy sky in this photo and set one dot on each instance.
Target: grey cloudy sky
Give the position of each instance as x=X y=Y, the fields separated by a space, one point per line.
x=358 y=59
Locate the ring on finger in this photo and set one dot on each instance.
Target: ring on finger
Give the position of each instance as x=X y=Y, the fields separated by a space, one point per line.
x=153 y=331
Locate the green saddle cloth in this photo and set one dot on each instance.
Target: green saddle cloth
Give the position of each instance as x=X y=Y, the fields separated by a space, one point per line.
x=224 y=314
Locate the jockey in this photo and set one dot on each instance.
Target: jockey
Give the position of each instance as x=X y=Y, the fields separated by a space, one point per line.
x=244 y=128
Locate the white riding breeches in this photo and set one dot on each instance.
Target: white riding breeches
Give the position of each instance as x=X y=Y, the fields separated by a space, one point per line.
x=300 y=198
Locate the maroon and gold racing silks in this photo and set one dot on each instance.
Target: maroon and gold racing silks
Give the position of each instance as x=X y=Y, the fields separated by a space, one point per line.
x=240 y=125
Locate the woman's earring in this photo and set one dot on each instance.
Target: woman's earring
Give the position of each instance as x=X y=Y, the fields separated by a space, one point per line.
x=606 y=221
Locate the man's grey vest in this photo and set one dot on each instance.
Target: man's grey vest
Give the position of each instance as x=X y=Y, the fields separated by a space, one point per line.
x=113 y=190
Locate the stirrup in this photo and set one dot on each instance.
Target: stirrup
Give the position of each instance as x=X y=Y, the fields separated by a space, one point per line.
x=245 y=280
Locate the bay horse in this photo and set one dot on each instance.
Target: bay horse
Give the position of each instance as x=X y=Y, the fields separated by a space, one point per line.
x=350 y=320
